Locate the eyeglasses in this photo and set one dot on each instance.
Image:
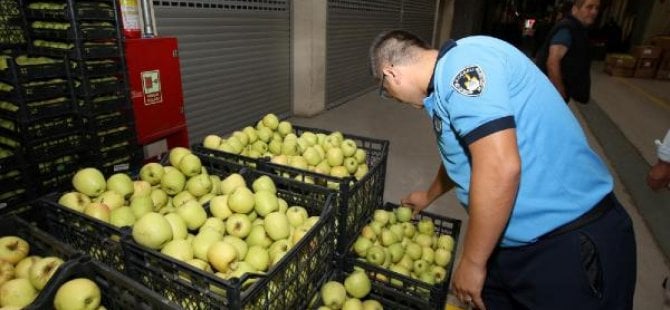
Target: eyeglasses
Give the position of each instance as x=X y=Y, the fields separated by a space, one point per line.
x=382 y=91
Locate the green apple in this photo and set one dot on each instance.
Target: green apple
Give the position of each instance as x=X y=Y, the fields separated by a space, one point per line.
x=445 y=242
x=252 y=216
x=321 y=138
x=98 y=210
x=176 y=155
x=41 y=271
x=211 y=142
x=414 y=250
x=335 y=156
x=310 y=137
x=428 y=277
x=371 y=304
x=291 y=136
x=275 y=147
x=159 y=197
x=278 y=249
x=121 y=183
x=271 y=121
x=141 y=188
x=22 y=268
x=361 y=171
x=298 y=162
x=298 y=233
x=277 y=225
x=264 y=183
x=377 y=227
x=339 y=172
x=283 y=205
x=401 y=270
x=352 y=304
x=230 y=183
x=264 y=134
x=179 y=250
x=389 y=237
x=426 y=227
x=357 y=284
x=122 y=216
x=141 y=206
x=258 y=236
x=439 y=273
x=90 y=182
x=296 y=215
x=220 y=254
x=428 y=254
x=152 y=230
x=312 y=156
x=235 y=144
x=397 y=229
x=260 y=147
x=423 y=240
x=280 y=160
x=290 y=147
x=190 y=165
x=178 y=226
x=193 y=214
x=442 y=257
x=361 y=246
x=200 y=264
x=403 y=214
x=351 y=164
x=152 y=173
x=219 y=207
x=238 y=225
x=199 y=185
x=376 y=255
x=173 y=182
x=251 y=133
x=242 y=137
x=240 y=245
x=406 y=262
x=13 y=249
x=397 y=251
x=360 y=156
x=420 y=266
x=333 y=294
x=75 y=201
x=215 y=224
x=17 y=293
x=349 y=148
x=409 y=229
x=258 y=257
x=181 y=198
x=368 y=233
x=216 y=184
x=381 y=216
x=330 y=142
x=241 y=200
x=284 y=128
x=203 y=240
x=265 y=203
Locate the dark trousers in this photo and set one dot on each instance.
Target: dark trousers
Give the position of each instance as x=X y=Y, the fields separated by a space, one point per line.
x=590 y=267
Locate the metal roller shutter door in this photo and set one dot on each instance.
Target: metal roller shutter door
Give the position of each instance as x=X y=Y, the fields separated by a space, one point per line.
x=352 y=25
x=235 y=60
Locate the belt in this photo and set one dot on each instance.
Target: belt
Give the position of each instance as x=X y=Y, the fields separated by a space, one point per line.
x=590 y=216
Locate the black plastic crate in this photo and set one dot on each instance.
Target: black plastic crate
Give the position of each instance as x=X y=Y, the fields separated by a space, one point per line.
x=339 y=275
x=42 y=128
x=54 y=183
x=82 y=11
x=112 y=136
x=283 y=287
x=41 y=243
x=48 y=147
x=223 y=159
x=96 y=68
x=88 y=33
x=81 y=51
x=46 y=91
x=408 y=293
x=90 y=87
x=356 y=199
x=32 y=72
x=130 y=161
x=103 y=104
x=118 y=292
x=56 y=166
x=96 y=238
x=30 y=111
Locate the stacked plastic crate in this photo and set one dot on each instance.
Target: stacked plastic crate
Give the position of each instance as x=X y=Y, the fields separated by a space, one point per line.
x=39 y=129
x=88 y=33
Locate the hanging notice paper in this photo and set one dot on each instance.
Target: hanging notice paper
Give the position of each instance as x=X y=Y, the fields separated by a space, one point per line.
x=151 y=83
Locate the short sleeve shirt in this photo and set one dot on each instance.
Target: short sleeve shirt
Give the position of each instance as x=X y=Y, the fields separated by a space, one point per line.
x=484 y=85
x=562 y=37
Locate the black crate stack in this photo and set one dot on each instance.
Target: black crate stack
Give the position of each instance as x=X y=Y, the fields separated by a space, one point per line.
x=89 y=34
x=12 y=30
x=39 y=126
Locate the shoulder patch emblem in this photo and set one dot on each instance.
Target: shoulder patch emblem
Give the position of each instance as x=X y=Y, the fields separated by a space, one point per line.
x=437 y=125
x=469 y=82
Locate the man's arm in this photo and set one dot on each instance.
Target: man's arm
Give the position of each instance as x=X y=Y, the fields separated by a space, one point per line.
x=496 y=170
x=419 y=200
x=556 y=54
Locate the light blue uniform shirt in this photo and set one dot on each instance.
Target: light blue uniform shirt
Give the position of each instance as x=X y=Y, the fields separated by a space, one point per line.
x=483 y=85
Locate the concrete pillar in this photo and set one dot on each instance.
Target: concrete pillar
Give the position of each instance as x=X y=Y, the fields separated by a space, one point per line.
x=309 y=56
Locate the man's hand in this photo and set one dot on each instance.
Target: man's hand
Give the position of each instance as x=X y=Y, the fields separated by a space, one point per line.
x=468 y=282
x=418 y=201
x=659 y=176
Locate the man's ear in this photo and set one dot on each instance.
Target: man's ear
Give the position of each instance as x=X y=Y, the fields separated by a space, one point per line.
x=390 y=72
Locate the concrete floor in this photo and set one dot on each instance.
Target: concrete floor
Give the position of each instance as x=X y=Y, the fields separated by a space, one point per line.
x=639 y=108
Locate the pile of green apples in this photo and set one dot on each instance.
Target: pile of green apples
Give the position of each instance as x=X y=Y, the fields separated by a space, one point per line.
x=248 y=228
x=391 y=240
x=22 y=277
x=350 y=294
x=317 y=152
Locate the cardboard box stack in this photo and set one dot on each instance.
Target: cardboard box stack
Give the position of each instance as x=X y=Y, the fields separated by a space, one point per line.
x=620 y=65
x=648 y=58
x=662 y=42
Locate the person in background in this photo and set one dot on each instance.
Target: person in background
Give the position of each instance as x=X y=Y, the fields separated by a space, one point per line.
x=565 y=57
x=659 y=174
x=545 y=230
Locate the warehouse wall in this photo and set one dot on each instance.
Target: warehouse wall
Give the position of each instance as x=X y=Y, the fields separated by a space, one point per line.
x=658 y=21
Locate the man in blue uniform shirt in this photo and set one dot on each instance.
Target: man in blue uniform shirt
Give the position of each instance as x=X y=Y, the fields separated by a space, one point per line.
x=545 y=230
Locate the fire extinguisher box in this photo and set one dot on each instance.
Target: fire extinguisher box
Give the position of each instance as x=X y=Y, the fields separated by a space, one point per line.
x=156 y=90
